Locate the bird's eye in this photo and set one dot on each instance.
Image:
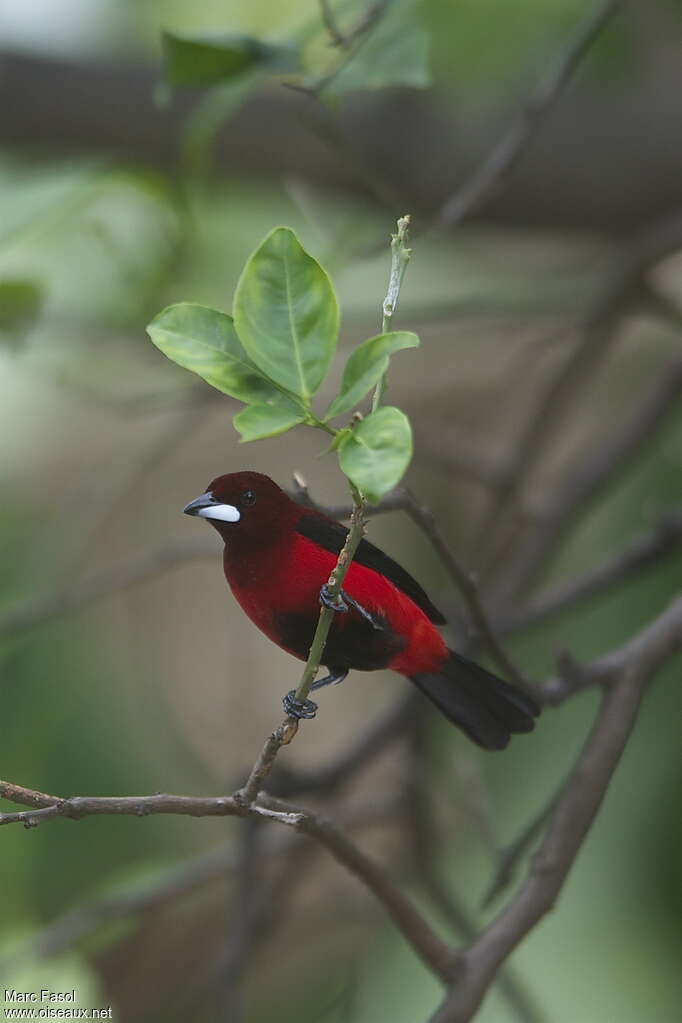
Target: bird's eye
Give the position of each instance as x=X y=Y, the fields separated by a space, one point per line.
x=248 y=498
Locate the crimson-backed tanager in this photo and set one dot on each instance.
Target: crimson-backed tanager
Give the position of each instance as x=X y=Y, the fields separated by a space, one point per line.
x=278 y=557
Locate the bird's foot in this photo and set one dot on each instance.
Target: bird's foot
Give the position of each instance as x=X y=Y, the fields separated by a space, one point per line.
x=333 y=603
x=296 y=709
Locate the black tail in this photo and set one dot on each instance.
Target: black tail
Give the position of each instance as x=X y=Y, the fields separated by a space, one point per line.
x=483 y=706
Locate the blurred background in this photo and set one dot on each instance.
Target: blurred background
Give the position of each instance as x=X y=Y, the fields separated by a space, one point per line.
x=119 y=195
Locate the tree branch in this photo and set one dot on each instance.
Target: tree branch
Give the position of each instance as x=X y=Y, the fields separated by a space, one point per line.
x=591 y=473
x=629 y=669
x=645 y=550
x=566 y=383
x=434 y=952
x=490 y=177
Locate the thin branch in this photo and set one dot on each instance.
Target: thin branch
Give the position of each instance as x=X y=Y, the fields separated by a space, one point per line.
x=566 y=384
x=591 y=474
x=645 y=550
x=402 y=500
x=629 y=669
x=198 y=872
x=660 y=638
x=76 y=807
x=626 y=670
x=474 y=795
x=464 y=582
x=510 y=855
x=426 y=852
x=281 y=736
x=491 y=176
x=341 y=769
x=245 y=906
x=335 y=34
x=508 y=984
x=434 y=952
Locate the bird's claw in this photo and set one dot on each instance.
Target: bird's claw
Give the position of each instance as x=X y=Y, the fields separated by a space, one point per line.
x=296 y=709
x=333 y=603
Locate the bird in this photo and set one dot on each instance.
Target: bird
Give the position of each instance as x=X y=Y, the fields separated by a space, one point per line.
x=278 y=557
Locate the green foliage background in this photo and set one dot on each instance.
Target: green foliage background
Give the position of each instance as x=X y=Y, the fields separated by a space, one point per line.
x=162 y=687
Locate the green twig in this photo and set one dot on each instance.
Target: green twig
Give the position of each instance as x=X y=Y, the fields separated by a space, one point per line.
x=283 y=735
x=355 y=535
x=400 y=257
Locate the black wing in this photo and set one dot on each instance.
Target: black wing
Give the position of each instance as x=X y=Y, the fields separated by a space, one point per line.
x=332 y=536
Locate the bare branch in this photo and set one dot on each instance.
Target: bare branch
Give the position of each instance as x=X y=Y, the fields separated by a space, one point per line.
x=565 y=386
x=629 y=669
x=646 y=549
x=510 y=855
x=426 y=850
x=424 y=518
x=75 y=808
x=592 y=473
x=491 y=176
x=434 y=952
x=341 y=769
x=335 y=34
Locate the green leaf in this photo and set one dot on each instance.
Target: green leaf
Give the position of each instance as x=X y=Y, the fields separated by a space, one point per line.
x=20 y=302
x=286 y=314
x=366 y=366
x=209 y=58
x=268 y=419
x=212 y=111
x=394 y=51
x=378 y=451
x=205 y=341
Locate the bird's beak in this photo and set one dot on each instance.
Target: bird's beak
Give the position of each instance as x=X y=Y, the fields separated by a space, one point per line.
x=208 y=507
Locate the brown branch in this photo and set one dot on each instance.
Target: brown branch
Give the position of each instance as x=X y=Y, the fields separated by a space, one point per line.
x=335 y=34
x=566 y=383
x=509 y=986
x=491 y=176
x=624 y=672
x=245 y=913
x=592 y=473
x=464 y=582
x=426 y=852
x=645 y=550
x=46 y=807
x=358 y=754
x=432 y=950
x=509 y=856
x=628 y=669
x=284 y=847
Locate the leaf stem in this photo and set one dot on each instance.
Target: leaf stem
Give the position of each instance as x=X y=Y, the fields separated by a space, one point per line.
x=400 y=257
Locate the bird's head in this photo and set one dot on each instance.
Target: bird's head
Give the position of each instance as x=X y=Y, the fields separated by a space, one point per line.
x=244 y=504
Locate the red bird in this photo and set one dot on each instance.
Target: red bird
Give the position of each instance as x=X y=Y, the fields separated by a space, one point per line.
x=278 y=558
